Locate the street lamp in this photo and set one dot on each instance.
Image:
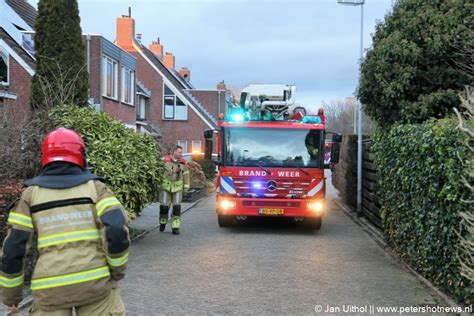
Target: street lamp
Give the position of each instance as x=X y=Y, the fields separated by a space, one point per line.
x=359 y=105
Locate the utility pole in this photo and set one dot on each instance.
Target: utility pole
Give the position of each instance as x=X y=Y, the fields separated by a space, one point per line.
x=359 y=105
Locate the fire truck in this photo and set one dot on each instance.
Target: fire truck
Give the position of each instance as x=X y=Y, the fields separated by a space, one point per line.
x=271 y=159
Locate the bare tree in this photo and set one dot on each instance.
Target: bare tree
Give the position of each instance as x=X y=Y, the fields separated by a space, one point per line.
x=465 y=115
x=341 y=117
x=21 y=134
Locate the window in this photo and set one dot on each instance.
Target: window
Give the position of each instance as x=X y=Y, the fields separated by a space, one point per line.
x=128 y=82
x=173 y=107
x=196 y=146
x=141 y=108
x=184 y=144
x=3 y=68
x=109 y=77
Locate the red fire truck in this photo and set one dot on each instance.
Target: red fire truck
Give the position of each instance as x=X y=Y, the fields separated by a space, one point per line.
x=271 y=160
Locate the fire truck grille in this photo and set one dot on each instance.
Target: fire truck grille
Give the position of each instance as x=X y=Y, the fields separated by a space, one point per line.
x=271 y=203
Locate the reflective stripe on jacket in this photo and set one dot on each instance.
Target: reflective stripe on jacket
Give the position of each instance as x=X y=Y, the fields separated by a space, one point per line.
x=82 y=241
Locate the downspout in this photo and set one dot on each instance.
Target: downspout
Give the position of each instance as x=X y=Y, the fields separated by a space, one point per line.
x=88 y=45
x=218 y=103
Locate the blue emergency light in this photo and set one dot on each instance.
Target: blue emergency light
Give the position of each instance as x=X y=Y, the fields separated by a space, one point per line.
x=236 y=115
x=312 y=119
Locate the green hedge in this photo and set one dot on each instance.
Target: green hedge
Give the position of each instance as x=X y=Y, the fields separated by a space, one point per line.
x=129 y=162
x=419 y=171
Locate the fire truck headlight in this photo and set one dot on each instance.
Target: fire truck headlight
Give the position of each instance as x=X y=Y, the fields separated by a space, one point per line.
x=226 y=204
x=316 y=207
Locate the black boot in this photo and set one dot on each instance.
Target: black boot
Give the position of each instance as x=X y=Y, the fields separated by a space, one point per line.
x=176 y=219
x=163 y=217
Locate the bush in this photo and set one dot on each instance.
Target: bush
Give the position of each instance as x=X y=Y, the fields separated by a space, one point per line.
x=129 y=162
x=207 y=166
x=198 y=179
x=410 y=75
x=422 y=197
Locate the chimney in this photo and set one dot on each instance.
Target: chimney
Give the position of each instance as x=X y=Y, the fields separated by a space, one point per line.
x=156 y=48
x=185 y=73
x=168 y=60
x=221 y=86
x=125 y=31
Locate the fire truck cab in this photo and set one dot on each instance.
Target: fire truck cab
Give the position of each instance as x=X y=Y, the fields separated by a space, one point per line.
x=271 y=160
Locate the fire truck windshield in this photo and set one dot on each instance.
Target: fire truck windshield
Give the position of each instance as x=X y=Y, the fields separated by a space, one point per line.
x=272 y=147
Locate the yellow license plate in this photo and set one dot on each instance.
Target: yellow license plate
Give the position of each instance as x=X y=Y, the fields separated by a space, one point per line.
x=271 y=211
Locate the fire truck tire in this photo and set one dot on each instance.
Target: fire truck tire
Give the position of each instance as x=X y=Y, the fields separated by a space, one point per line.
x=313 y=223
x=225 y=220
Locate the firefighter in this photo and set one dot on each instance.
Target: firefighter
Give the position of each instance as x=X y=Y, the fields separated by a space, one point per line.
x=81 y=235
x=175 y=183
x=311 y=143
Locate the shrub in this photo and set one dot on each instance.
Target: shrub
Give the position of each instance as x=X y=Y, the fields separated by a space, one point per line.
x=422 y=197
x=208 y=167
x=198 y=179
x=129 y=162
x=409 y=75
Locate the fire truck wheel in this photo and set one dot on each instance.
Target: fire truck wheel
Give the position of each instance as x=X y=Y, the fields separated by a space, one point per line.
x=313 y=223
x=225 y=220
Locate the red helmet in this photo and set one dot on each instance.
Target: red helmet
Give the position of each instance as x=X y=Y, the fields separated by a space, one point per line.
x=63 y=144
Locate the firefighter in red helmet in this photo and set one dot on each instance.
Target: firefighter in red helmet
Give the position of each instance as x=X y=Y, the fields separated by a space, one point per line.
x=81 y=234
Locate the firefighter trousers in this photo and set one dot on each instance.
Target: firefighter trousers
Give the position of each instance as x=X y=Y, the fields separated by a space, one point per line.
x=110 y=305
x=168 y=199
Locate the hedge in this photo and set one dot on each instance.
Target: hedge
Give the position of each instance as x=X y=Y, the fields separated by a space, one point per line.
x=130 y=162
x=420 y=169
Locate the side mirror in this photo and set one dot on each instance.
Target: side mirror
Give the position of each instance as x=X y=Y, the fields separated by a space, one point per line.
x=335 y=153
x=208 y=133
x=216 y=161
x=243 y=97
x=336 y=138
x=208 y=148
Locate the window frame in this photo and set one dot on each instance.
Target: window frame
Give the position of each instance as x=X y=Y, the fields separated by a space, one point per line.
x=7 y=64
x=139 y=108
x=192 y=146
x=115 y=80
x=175 y=105
x=131 y=85
x=185 y=147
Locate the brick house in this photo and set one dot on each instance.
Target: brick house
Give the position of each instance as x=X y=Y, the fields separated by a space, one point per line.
x=17 y=63
x=135 y=84
x=112 y=79
x=181 y=117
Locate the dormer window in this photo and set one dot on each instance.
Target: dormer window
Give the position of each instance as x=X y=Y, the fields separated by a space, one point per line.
x=3 y=68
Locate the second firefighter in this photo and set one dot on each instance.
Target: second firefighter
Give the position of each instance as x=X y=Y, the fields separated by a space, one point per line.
x=175 y=184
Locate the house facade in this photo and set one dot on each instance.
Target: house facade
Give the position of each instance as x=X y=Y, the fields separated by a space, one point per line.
x=180 y=116
x=17 y=63
x=135 y=84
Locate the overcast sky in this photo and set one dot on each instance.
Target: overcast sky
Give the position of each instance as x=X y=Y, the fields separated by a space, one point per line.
x=313 y=44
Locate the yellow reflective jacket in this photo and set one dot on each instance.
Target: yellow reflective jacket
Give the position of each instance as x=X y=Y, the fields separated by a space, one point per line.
x=176 y=177
x=82 y=241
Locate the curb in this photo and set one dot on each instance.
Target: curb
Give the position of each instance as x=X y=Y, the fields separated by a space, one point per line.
x=377 y=236
x=149 y=230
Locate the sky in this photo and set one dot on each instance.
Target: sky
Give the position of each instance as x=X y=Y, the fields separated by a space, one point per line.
x=313 y=44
